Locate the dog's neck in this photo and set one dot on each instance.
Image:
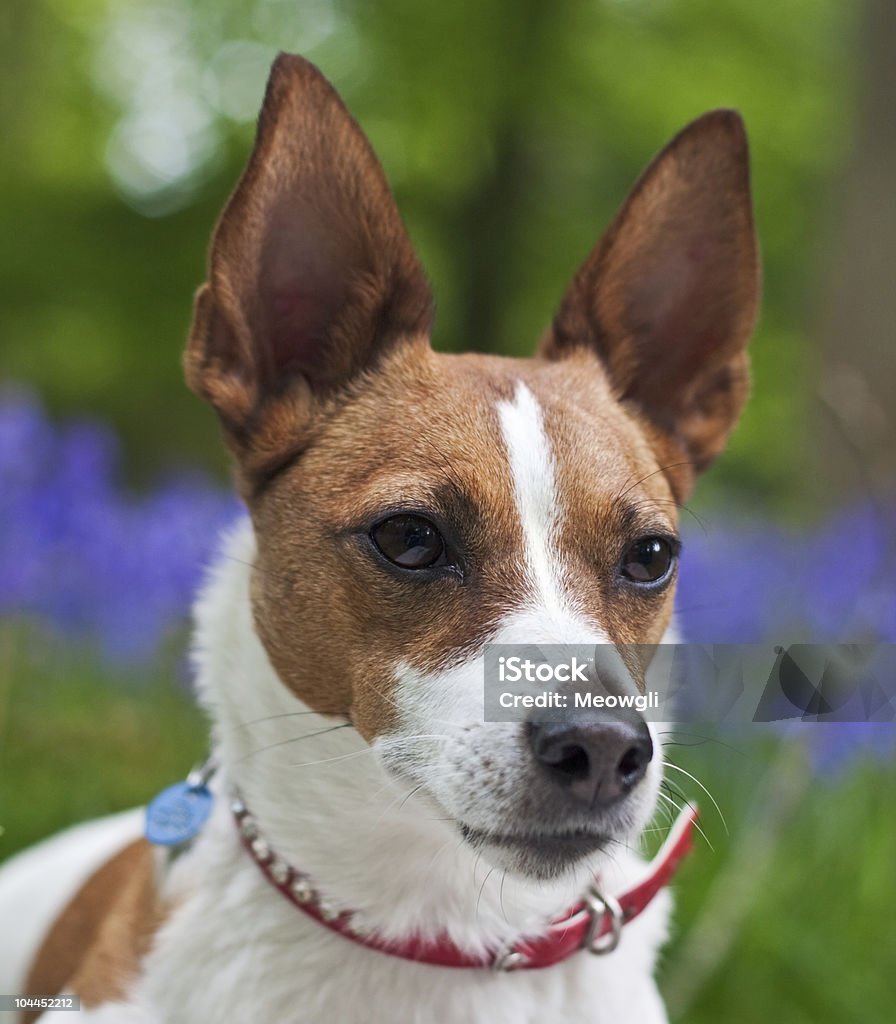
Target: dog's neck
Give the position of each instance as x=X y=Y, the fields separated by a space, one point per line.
x=329 y=808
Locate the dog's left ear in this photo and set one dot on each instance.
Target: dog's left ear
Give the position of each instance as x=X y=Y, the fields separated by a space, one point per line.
x=668 y=297
x=312 y=275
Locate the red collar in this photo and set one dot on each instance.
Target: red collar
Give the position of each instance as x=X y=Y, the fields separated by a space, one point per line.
x=594 y=923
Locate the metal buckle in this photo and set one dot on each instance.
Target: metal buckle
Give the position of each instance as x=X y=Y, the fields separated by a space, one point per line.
x=599 y=906
x=508 y=960
x=202 y=773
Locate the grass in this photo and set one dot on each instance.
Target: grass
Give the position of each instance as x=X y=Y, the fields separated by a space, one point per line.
x=77 y=741
x=787 y=917
x=810 y=860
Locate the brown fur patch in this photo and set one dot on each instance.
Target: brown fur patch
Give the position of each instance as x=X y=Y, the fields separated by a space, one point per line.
x=94 y=948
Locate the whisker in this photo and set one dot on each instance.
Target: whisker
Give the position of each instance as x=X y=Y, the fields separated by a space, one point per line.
x=398 y=741
x=673 y=787
x=293 y=739
x=703 y=739
x=705 y=837
x=663 y=810
x=682 y=508
x=416 y=789
x=678 y=808
x=284 y=714
x=655 y=830
x=476 y=861
x=694 y=779
x=482 y=889
x=699 y=520
x=647 y=476
x=328 y=760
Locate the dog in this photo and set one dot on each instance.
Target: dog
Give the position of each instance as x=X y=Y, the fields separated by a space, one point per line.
x=374 y=851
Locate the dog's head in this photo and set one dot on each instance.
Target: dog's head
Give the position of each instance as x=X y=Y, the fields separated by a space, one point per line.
x=410 y=506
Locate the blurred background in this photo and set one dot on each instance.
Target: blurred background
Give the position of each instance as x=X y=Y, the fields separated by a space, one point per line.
x=510 y=133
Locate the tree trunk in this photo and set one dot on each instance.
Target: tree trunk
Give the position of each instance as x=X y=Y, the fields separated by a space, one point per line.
x=857 y=435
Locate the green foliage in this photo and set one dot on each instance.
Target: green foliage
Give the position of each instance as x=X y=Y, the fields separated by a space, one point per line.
x=75 y=743
x=815 y=942
x=809 y=857
x=510 y=132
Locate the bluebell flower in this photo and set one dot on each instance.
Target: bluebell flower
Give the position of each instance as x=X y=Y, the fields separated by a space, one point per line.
x=749 y=582
x=82 y=555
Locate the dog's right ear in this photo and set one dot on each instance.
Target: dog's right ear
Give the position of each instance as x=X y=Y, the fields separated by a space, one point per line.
x=668 y=298
x=312 y=274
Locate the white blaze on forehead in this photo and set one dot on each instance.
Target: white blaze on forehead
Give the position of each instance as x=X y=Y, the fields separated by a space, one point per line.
x=535 y=493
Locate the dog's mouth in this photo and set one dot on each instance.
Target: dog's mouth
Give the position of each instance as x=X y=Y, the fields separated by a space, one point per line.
x=541 y=854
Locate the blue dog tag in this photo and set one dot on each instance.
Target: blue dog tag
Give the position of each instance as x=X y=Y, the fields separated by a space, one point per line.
x=178 y=813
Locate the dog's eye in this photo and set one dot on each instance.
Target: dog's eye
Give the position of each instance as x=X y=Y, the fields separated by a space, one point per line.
x=411 y=542
x=648 y=560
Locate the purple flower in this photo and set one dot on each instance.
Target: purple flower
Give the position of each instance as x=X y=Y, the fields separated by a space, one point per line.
x=752 y=582
x=83 y=556
x=746 y=582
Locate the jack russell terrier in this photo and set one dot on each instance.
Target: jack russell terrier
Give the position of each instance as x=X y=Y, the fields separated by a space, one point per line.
x=373 y=850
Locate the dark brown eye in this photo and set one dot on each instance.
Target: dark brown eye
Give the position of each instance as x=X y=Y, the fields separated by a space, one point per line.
x=409 y=541
x=648 y=560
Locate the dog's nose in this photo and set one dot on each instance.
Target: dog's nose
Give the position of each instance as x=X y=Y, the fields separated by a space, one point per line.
x=596 y=762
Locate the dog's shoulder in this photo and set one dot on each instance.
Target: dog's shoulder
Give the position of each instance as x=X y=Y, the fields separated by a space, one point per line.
x=94 y=948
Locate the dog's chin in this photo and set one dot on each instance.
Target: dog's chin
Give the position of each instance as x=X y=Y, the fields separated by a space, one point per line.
x=543 y=856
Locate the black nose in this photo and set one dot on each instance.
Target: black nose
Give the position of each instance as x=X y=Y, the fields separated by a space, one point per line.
x=596 y=762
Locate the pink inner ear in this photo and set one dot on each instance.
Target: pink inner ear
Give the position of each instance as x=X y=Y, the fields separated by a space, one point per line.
x=311 y=268
x=297 y=328
x=303 y=286
x=679 y=305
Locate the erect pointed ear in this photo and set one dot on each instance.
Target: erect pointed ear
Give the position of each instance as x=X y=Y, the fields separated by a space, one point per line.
x=312 y=274
x=668 y=297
